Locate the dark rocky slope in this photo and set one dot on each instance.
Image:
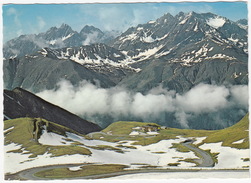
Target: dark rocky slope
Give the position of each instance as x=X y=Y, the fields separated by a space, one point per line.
x=21 y=103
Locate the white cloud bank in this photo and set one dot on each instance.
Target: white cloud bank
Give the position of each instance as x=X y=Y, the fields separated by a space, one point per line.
x=89 y=100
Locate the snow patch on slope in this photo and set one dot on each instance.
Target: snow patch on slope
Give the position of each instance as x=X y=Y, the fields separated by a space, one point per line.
x=147 y=53
x=228 y=157
x=148 y=39
x=141 y=154
x=239 y=141
x=68 y=36
x=129 y=37
x=44 y=52
x=216 y=22
x=183 y=21
x=199 y=140
x=8 y=129
x=151 y=22
x=53 y=139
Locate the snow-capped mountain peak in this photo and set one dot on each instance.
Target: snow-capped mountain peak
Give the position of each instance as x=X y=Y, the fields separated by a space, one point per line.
x=55 y=37
x=164 y=36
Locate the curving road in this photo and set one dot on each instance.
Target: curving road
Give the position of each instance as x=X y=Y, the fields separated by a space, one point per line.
x=29 y=173
x=206 y=159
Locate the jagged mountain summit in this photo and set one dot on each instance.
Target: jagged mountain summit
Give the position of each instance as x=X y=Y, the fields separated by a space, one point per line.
x=165 y=35
x=187 y=49
x=54 y=38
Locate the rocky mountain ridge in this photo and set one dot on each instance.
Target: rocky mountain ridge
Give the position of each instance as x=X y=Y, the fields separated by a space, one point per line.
x=182 y=51
x=91 y=56
x=161 y=38
x=54 y=38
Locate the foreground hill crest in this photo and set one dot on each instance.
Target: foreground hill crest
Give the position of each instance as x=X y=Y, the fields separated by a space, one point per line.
x=21 y=103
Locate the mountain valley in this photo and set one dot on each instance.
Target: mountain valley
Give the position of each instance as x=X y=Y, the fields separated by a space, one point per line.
x=167 y=95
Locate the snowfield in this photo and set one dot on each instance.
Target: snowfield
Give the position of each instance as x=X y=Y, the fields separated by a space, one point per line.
x=216 y=22
x=159 y=154
x=228 y=157
x=148 y=155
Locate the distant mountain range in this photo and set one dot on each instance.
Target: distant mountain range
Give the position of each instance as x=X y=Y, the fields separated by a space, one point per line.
x=95 y=63
x=176 y=52
x=54 y=38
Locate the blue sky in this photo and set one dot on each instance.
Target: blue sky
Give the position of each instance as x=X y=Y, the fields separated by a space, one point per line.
x=21 y=19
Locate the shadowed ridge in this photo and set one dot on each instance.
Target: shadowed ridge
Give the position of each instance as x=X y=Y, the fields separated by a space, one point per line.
x=21 y=103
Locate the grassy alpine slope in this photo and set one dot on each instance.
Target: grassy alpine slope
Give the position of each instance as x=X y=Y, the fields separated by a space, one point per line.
x=82 y=171
x=237 y=132
x=228 y=135
x=122 y=129
x=114 y=143
x=26 y=132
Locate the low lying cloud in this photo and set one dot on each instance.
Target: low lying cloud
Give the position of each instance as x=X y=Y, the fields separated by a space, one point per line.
x=90 y=100
x=240 y=96
x=204 y=98
x=91 y=38
x=38 y=41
